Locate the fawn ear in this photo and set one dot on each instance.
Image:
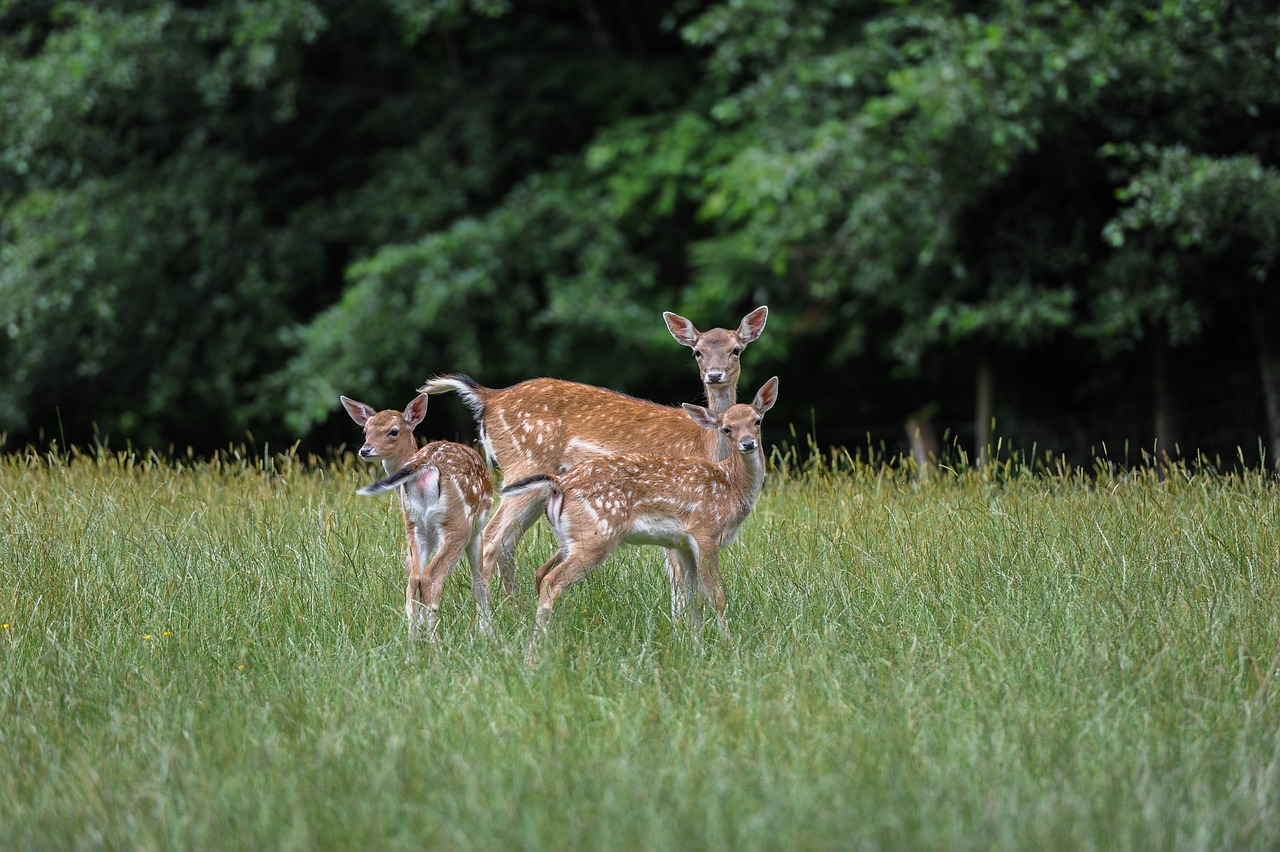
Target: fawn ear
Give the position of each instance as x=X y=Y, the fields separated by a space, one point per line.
x=358 y=410
x=681 y=329
x=766 y=396
x=416 y=410
x=753 y=324
x=702 y=416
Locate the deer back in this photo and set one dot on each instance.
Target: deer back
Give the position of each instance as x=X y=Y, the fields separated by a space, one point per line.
x=443 y=484
x=549 y=425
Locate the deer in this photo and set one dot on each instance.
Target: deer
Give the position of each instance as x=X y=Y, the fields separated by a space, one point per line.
x=692 y=506
x=546 y=425
x=446 y=495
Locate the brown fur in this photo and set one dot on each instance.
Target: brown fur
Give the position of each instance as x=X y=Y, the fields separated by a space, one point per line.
x=548 y=425
x=446 y=495
x=692 y=506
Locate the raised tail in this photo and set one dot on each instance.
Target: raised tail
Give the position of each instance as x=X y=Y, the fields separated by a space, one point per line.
x=473 y=394
x=466 y=387
x=393 y=481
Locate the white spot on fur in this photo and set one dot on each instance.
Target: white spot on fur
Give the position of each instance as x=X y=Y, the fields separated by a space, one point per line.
x=579 y=447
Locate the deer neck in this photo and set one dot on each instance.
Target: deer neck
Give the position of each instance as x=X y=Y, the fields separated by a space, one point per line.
x=720 y=400
x=393 y=463
x=747 y=473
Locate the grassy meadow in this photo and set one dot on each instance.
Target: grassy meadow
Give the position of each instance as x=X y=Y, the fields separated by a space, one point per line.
x=212 y=655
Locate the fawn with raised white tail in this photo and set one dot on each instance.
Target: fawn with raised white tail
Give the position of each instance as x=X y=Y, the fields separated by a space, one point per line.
x=446 y=495
x=549 y=425
x=690 y=505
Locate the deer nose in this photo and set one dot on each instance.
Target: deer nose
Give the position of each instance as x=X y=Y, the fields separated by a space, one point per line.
x=715 y=377
x=747 y=445
x=366 y=452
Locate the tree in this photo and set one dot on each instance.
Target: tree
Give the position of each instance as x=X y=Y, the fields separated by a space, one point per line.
x=215 y=217
x=1213 y=225
x=945 y=169
x=183 y=189
x=142 y=273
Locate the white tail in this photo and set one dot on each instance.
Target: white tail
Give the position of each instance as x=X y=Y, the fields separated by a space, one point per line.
x=446 y=496
x=689 y=505
x=549 y=425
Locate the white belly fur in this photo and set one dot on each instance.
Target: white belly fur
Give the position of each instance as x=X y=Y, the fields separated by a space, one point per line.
x=657 y=529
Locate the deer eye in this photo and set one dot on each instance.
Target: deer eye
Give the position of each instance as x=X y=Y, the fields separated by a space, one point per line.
x=395 y=431
x=737 y=350
x=757 y=421
x=697 y=353
x=726 y=430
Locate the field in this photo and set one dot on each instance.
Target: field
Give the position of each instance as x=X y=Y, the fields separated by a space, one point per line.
x=212 y=655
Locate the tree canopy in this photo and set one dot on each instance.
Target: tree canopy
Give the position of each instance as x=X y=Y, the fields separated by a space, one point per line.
x=216 y=217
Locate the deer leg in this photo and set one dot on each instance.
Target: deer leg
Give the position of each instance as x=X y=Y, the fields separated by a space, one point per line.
x=441 y=565
x=547 y=566
x=478 y=587
x=422 y=543
x=502 y=535
x=561 y=571
x=676 y=573
x=547 y=594
x=430 y=582
x=691 y=605
x=713 y=586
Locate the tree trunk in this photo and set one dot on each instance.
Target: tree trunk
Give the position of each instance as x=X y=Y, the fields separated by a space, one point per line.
x=983 y=408
x=1161 y=395
x=1269 y=378
x=922 y=435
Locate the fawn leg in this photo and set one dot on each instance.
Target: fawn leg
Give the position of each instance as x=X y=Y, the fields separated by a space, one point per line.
x=561 y=571
x=478 y=586
x=430 y=581
x=713 y=586
x=687 y=558
x=421 y=544
x=679 y=583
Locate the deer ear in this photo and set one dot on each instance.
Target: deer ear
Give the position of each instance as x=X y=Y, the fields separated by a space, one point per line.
x=416 y=410
x=753 y=324
x=358 y=410
x=702 y=416
x=681 y=329
x=766 y=396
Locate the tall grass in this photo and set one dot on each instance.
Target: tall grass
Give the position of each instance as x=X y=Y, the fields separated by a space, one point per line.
x=213 y=655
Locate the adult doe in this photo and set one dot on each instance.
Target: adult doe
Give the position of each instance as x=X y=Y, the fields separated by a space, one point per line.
x=446 y=496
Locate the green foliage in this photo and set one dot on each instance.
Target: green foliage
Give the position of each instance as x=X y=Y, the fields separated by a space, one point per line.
x=1205 y=204
x=533 y=282
x=213 y=217
x=105 y=294
x=1196 y=234
x=187 y=191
